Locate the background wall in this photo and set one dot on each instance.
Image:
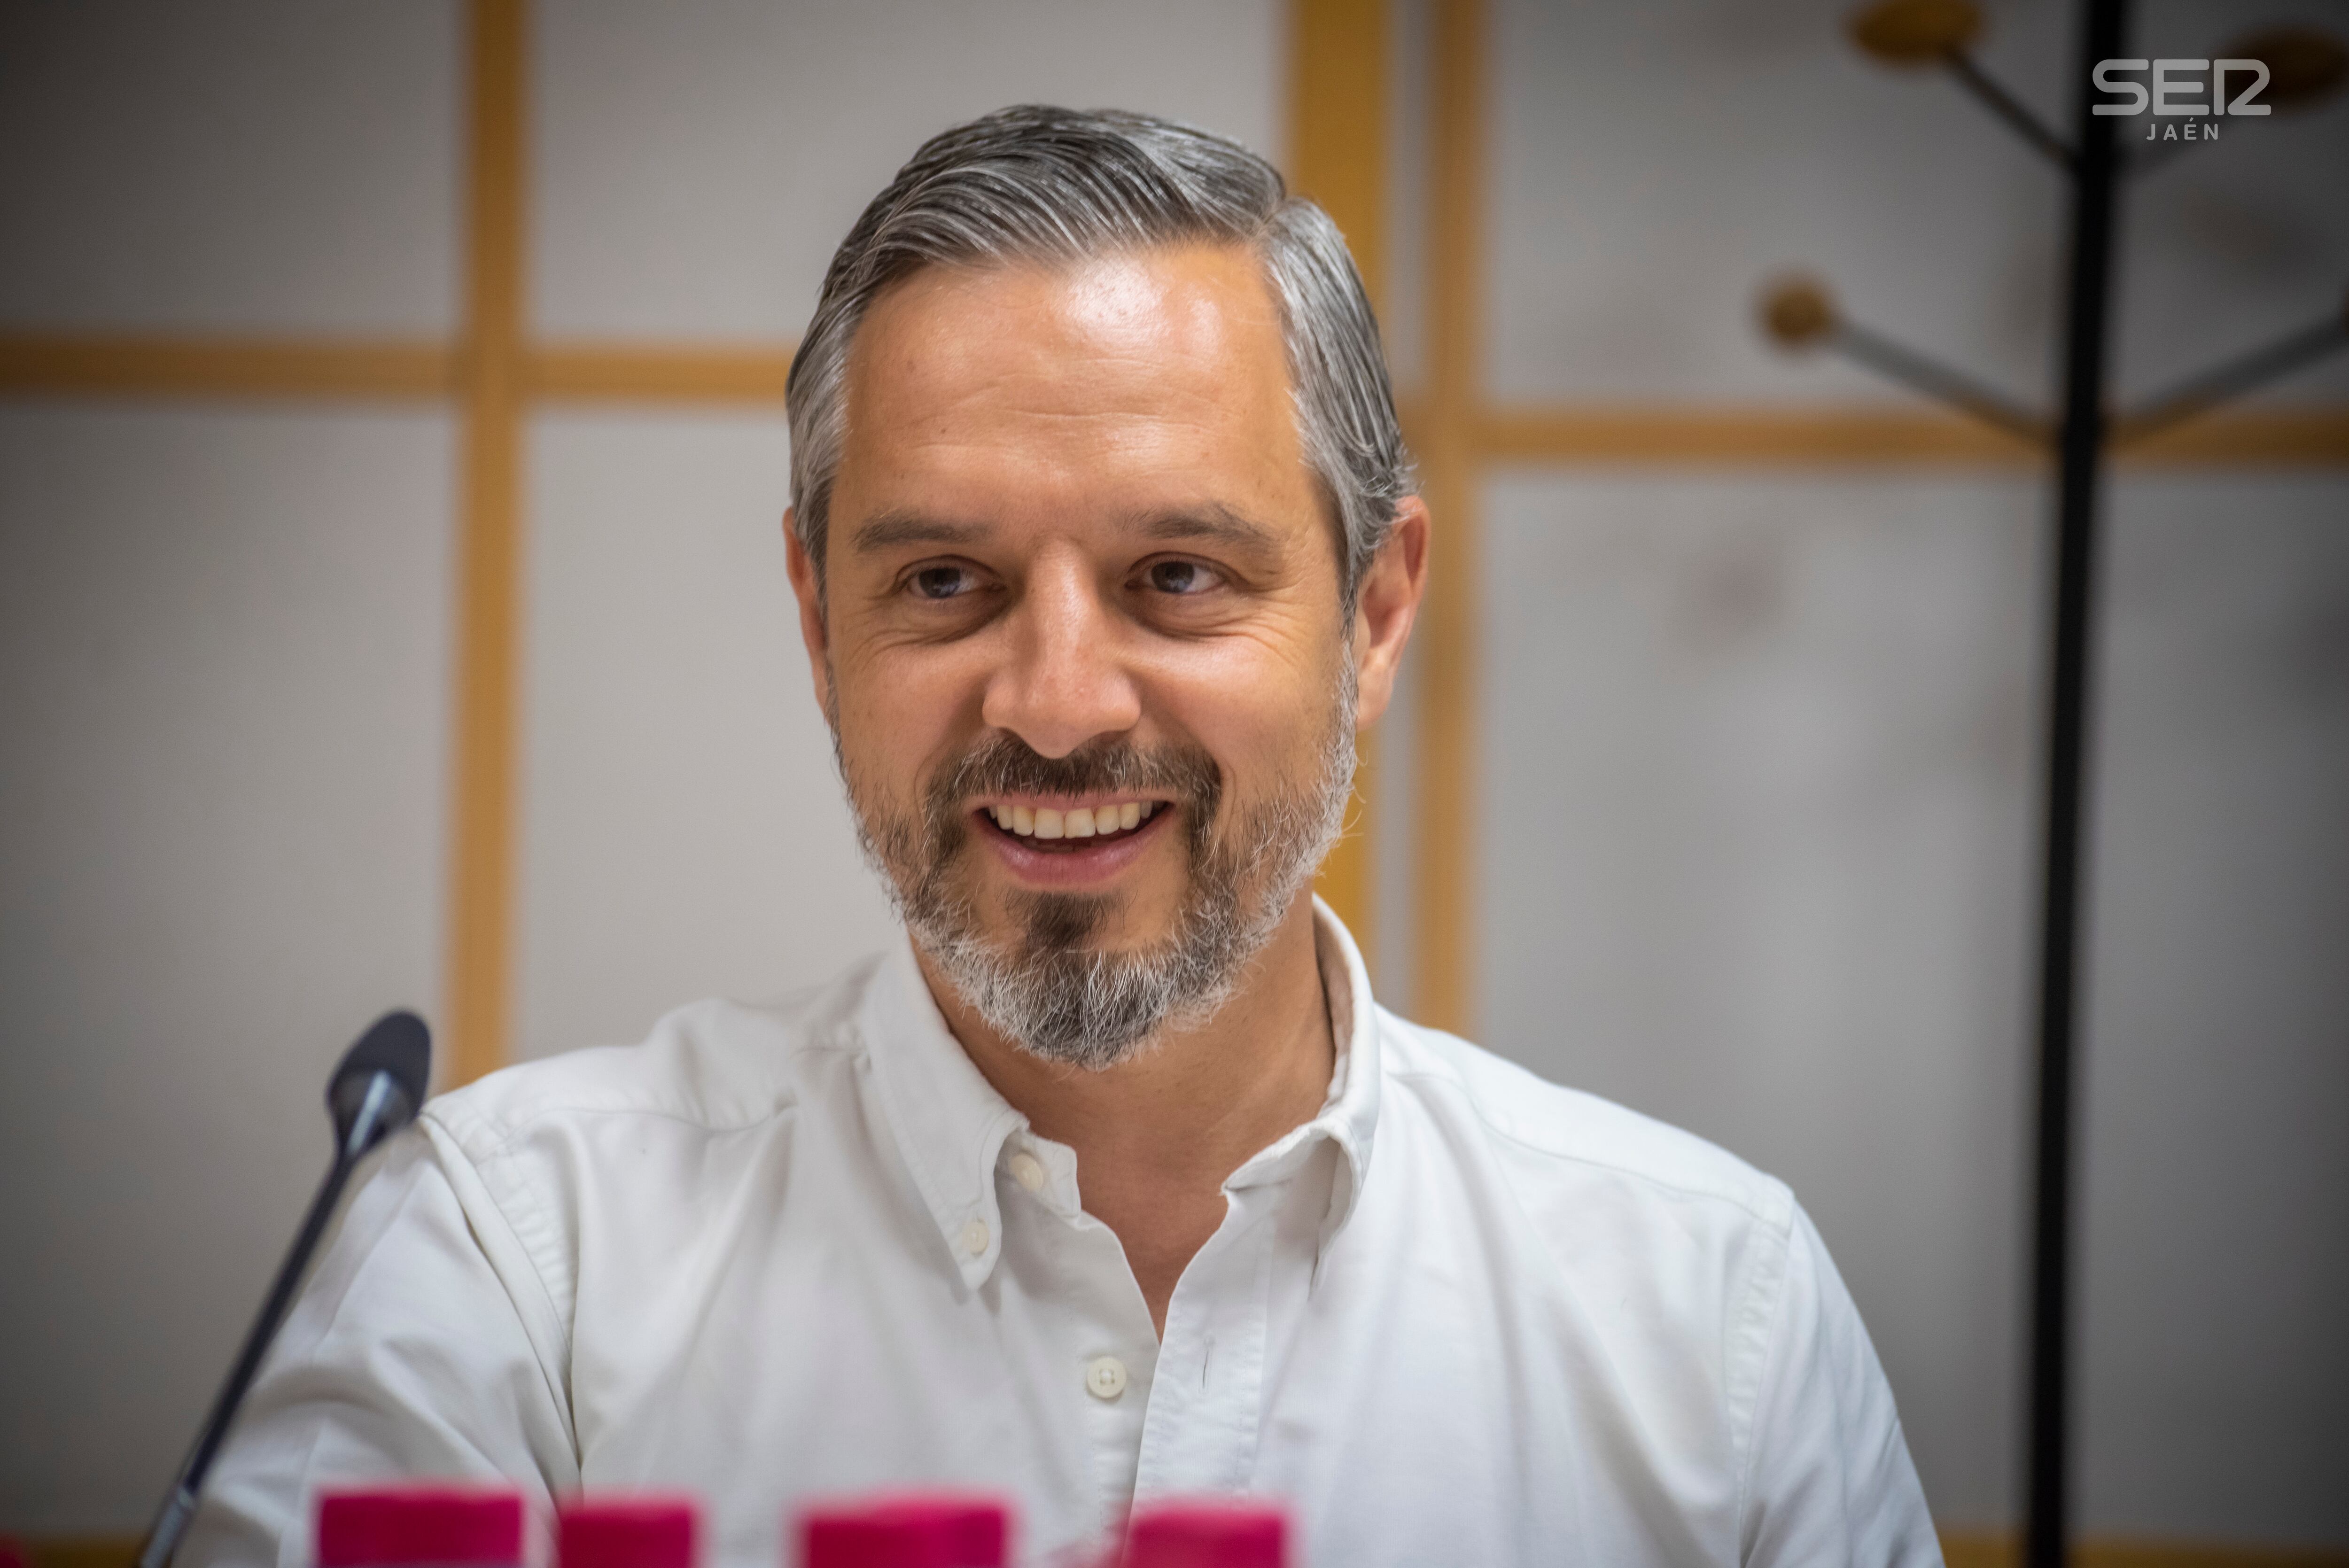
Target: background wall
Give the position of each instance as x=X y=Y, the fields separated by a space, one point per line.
x=1761 y=750
x=683 y=829
x=223 y=678
x=226 y=686
x=1757 y=746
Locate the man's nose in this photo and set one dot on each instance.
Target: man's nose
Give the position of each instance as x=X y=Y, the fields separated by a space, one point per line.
x=1065 y=681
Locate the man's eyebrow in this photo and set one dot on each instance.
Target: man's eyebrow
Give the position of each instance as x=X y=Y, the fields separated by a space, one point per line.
x=1217 y=521
x=892 y=528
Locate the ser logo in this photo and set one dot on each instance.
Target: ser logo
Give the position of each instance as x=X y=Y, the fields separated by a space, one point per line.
x=2177 y=92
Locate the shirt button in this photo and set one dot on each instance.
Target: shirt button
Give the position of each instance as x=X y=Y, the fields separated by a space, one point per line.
x=1027 y=1171
x=974 y=1237
x=1105 y=1378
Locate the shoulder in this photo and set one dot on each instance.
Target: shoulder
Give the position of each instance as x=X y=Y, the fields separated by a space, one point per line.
x=716 y=1066
x=1553 y=1142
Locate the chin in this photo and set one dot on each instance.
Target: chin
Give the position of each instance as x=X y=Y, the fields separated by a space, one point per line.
x=1098 y=924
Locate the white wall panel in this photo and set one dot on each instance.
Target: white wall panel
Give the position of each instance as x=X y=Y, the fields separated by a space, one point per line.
x=685 y=834
x=239 y=165
x=2215 y=1219
x=1754 y=858
x=700 y=162
x=1758 y=836
x=222 y=699
x=1654 y=163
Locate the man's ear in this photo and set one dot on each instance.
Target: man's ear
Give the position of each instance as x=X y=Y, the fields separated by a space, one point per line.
x=1385 y=607
x=807 y=586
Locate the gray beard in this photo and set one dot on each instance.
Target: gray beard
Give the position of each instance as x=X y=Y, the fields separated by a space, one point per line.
x=1048 y=989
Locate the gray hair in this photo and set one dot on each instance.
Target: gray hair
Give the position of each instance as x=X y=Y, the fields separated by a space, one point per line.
x=1041 y=184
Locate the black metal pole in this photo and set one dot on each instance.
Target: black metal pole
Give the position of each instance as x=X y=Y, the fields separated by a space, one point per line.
x=2080 y=450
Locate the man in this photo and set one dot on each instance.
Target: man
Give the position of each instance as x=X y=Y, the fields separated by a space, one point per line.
x=1114 y=1180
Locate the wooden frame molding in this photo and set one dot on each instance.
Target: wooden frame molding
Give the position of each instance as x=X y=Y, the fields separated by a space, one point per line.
x=478 y=959
x=643 y=373
x=1877 y=436
x=70 y=364
x=1338 y=60
x=1444 y=432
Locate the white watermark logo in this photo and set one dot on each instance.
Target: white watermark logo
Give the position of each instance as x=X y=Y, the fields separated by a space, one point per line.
x=2192 y=90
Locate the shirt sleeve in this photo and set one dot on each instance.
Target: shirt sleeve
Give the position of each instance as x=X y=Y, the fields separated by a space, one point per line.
x=419 y=1348
x=1828 y=1477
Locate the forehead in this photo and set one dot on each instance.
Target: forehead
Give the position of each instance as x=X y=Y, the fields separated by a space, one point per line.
x=1161 y=377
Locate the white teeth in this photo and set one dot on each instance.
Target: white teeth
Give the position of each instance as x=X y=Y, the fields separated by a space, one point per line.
x=1074 y=822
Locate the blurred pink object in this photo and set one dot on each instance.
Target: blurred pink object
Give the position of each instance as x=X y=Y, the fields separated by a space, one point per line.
x=906 y=1530
x=627 y=1532
x=406 y=1527
x=1207 y=1535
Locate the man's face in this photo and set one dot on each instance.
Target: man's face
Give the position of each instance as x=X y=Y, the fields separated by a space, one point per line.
x=1080 y=576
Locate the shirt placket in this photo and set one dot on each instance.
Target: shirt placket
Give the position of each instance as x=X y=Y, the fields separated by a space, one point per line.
x=1206 y=1403
x=1108 y=1348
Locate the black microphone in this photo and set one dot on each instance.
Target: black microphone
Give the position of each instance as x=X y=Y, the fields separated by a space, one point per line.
x=375 y=1090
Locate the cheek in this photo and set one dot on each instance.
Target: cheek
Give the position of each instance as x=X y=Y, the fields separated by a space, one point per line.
x=897 y=717
x=1261 y=706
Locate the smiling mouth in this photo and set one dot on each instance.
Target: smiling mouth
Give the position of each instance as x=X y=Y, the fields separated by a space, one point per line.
x=1064 y=830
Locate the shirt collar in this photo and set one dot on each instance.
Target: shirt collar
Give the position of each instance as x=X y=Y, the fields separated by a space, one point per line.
x=1349 y=1115
x=951 y=1124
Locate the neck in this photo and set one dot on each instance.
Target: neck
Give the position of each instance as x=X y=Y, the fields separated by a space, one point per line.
x=1156 y=1135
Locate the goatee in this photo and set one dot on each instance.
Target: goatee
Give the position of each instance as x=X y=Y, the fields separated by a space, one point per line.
x=1049 y=987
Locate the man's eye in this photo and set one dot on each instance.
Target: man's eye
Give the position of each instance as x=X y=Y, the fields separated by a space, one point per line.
x=940 y=581
x=1180 y=577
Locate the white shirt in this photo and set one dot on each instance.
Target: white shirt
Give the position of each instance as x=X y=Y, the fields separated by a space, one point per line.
x=1463 y=1317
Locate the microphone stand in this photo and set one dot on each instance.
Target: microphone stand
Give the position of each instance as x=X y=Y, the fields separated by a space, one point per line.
x=386 y=1104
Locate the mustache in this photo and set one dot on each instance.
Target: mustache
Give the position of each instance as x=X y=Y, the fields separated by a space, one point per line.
x=1003 y=764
